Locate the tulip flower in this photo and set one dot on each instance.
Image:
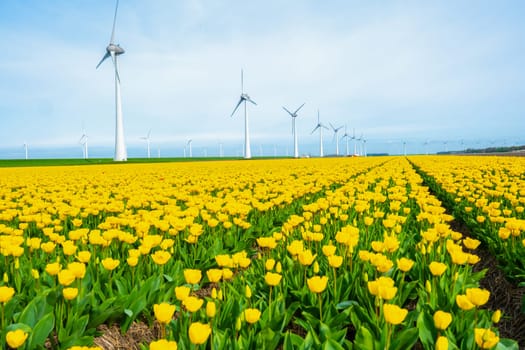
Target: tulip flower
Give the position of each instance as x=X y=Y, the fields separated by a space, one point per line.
x=252 y=315
x=478 y=296
x=70 y=293
x=192 y=304
x=163 y=344
x=485 y=338
x=199 y=332
x=16 y=339
x=192 y=276
x=394 y=314
x=437 y=268
x=6 y=293
x=442 y=343
x=442 y=319
x=164 y=312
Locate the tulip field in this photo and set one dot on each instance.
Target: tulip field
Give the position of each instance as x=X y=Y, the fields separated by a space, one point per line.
x=331 y=253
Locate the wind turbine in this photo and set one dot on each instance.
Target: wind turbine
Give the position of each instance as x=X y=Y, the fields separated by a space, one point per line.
x=147 y=138
x=345 y=135
x=84 y=142
x=26 y=150
x=114 y=50
x=189 y=145
x=336 y=130
x=320 y=127
x=244 y=97
x=294 y=115
x=353 y=138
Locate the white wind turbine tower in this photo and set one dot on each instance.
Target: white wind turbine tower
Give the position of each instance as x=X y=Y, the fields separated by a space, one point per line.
x=355 y=146
x=26 y=150
x=244 y=97
x=189 y=146
x=320 y=127
x=336 y=130
x=294 y=115
x=360 y=140
x=84 y=142
x=346 y=136
x=114 y=50
x=147 y=138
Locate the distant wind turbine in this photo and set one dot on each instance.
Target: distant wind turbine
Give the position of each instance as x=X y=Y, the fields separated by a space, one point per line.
x=114 y=50
x=189 y=146
x=26 y=150
x=244 y=97
x=320 y=127
x=355 y=146
x=346 y=136
x=147 y=138
x=336 y=130
x=84 y=142
x=294 y=115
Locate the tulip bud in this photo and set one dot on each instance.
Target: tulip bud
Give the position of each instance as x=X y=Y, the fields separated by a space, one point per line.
x=238 y=324
x=219 y=294
x=214 y=293
x=248 y=292
x=6 y=277
x=211 y=309
x=496 y=316
x=316 y=267
x=278 y=267
x=428 y=287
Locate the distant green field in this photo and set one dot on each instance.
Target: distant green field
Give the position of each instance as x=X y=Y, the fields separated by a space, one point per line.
x=59 y=162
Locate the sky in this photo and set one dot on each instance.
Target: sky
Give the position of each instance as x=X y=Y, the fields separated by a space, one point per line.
x=412 y=76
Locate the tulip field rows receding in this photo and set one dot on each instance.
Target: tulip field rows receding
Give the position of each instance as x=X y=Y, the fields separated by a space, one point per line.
x=342 y=253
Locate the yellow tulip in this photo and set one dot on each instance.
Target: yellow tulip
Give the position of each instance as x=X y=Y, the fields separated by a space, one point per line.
x=442 y=343
x=269 y=264
x=272 y=279
x=164 y=312
x=394 y=314
x=161 y=257
x=329 y=250
x=199 y=332
x=192 y=304
x=442 y=319
x=78 y=269
x=16 y=339
x=478 y=296
x=84 y=256
x=192 y=276
x=335 y=260
x=66 y=277
x=252 y=315
x=317 y=284
x=464 y=302
x=110 y=264
x=211 y=309
x=248 y=292
x=6 y=293
x=405 y=264
x=496 y=316
x=163 y=344
x=214 y=275
x=437 y=268
x=485 y=338
x=70 y=293
x=182 y=292
x=53 y=268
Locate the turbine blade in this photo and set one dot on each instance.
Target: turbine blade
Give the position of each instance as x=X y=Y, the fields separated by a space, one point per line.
x=103 y=59
x=112 y=40
x=238 y=104
x=290 y=113
x=297 y=110
x=252 y=101
x=331 y=126
x=317 y=127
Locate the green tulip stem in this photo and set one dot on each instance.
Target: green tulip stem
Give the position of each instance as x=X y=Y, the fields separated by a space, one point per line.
x=320 y=307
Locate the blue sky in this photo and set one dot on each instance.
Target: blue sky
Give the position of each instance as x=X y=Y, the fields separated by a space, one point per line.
x=450 y=73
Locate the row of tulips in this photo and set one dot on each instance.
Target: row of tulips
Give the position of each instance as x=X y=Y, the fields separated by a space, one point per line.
x=487 y=194
x=337 y=253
